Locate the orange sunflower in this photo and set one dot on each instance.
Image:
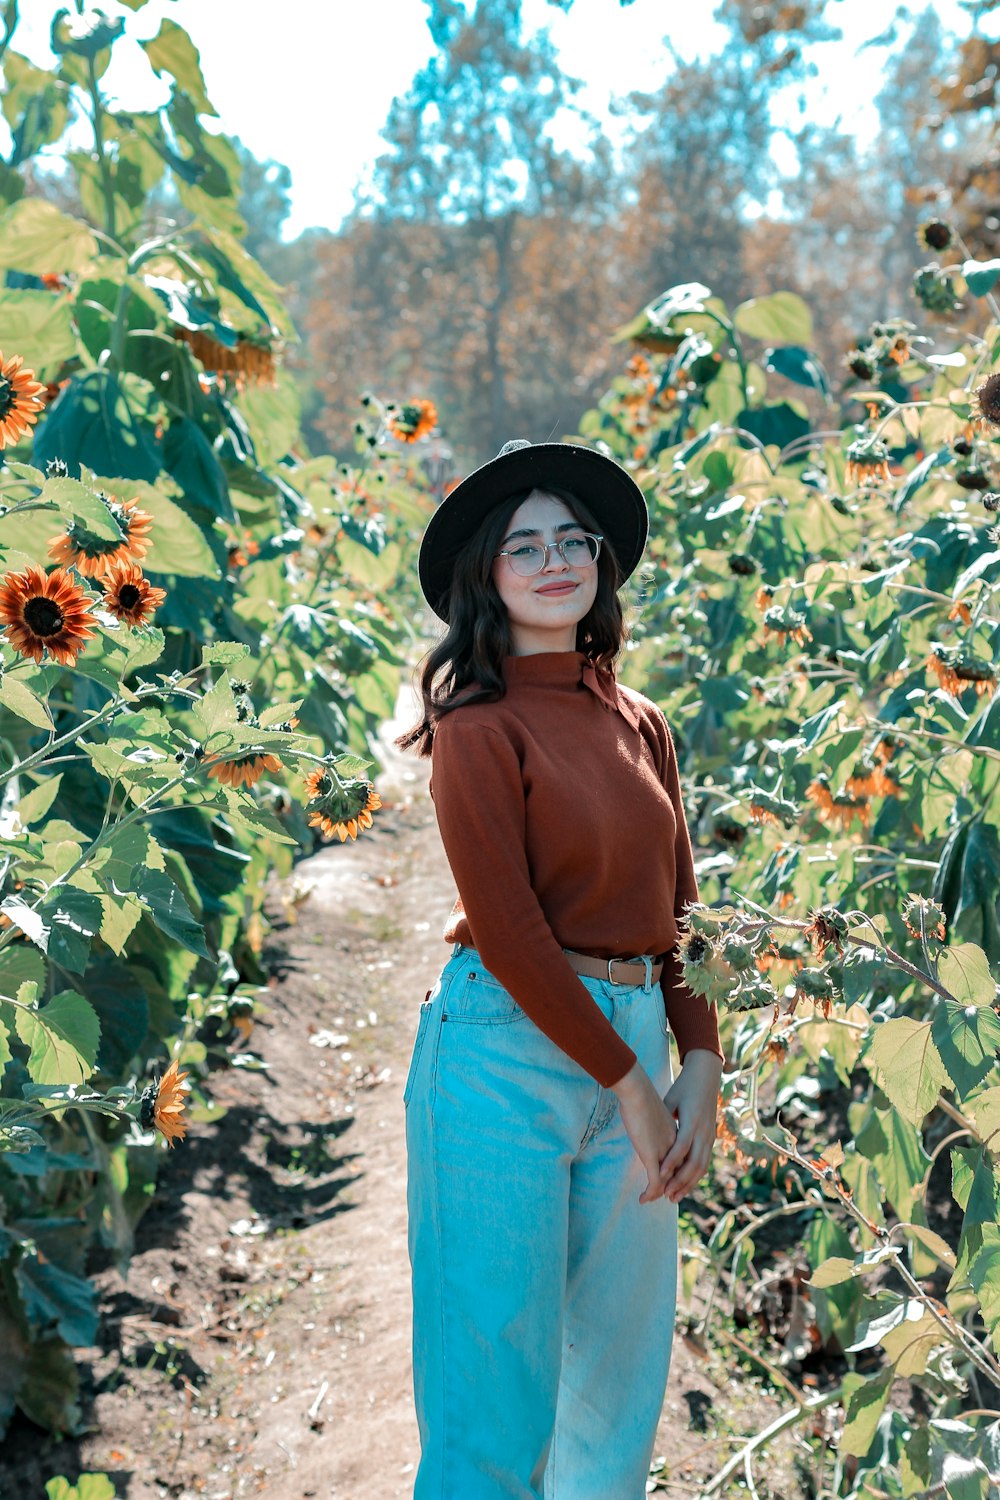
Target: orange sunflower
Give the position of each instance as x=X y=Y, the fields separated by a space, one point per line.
x=414 y=421
x=245 y=770
x=92 y=555
x=245 y=362
x=46 y=613
x=163 y=1104
x=20 y=399
x=128 y=593
x=345 y=807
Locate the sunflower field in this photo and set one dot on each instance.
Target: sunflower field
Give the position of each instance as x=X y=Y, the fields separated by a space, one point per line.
x=820 y=620
x=203 y=626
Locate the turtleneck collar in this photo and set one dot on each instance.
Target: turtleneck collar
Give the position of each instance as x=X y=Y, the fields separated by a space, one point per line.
x=570 y=669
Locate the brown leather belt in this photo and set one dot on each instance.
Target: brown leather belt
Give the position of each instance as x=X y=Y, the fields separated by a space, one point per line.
x=614 y=970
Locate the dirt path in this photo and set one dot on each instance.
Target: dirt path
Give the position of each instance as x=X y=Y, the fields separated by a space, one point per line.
x=261 y=1342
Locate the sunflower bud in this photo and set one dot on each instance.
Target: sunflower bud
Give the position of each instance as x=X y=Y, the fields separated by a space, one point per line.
x=934 y=289
x=56 y=469
x=935 y=234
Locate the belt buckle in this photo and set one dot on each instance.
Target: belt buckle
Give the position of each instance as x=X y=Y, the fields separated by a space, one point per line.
x=611 y=977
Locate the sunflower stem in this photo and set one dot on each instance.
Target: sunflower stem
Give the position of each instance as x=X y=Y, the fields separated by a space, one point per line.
x=107 y=182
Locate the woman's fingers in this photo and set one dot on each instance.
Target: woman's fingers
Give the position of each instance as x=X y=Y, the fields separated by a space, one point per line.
x=688 y=1175
x=677 y=1154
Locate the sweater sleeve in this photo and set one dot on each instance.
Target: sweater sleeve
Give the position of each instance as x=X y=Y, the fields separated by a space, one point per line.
x=693 y=1023
x=478 y=797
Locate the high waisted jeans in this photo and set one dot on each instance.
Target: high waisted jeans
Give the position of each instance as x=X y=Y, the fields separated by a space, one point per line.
x=543 y=1291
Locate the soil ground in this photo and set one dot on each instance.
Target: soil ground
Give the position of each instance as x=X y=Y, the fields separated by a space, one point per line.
x=261 y=1342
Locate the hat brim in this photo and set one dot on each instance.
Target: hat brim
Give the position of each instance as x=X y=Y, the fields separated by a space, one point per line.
x=605 y=488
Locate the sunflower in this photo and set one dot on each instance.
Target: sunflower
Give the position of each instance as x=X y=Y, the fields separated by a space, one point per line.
x=934 y=234
x=245 y=770
x=46 y=613
x=927 y=915
x=345 y=808
x=957 y=666
x=987 y=400
x=783 y=622
x=867 y=462
x=20 y=399
x=248 y=363
x=162 y=1105
x=92 y=555
x=129 y=595
x=413 y=421
x=827 y=928
x=842 y=807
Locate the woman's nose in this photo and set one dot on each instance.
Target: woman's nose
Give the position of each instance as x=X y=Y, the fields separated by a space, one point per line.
x=554 y=560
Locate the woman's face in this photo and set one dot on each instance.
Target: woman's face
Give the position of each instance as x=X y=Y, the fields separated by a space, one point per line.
x=545 y=608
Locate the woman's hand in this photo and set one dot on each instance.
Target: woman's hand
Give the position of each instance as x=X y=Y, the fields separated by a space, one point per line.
x=692 y=1098
x=649 y=1125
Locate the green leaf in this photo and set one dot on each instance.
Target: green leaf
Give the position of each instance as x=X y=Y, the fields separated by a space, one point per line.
x=224 y=653
x=984 y=1274
x=895 y=1148
x=964 y=969
x=48 y=1390
x=178 y=544
x=63 y=1037
x=18 y=699
x=981 y=275
x=36 y=237
x=92 y=423
x=985 y=1110
x=72 y=917
x=19 y=965
x=80 y=504
x=273 y=414
x=864 y=1408
x=832 y=1272
x=172 y=51
x=965 y=1478
x=932 y=1242
x=781 y=318
x=121 y=916
x=907 y=1065
x=55 y=1298
x=967 y=1038
x=5 y=1052
x=168 y=909
x=798 y=364
x=39 y=327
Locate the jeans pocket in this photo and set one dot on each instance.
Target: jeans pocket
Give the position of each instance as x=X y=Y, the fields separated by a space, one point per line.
x=426 y=1006
x=478 y=998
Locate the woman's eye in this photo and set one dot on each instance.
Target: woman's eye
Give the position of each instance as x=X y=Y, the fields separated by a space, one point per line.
x=524 y=552
x=576 y=544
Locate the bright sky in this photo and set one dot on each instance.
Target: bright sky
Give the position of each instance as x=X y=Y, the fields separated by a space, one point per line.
x=309 y=82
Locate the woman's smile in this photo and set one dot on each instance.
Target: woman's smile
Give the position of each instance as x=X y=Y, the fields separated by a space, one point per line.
x=565 y=587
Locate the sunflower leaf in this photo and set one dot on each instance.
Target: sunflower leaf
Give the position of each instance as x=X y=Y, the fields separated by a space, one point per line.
x=18 y=699
x=63 y=1037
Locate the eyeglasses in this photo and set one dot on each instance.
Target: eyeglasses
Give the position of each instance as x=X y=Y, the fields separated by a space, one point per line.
x=581 y=550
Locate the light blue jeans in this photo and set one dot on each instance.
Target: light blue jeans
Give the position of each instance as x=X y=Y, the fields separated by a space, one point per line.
x=543 y=1291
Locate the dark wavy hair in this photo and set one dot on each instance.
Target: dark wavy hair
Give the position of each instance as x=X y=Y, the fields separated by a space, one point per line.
x=466 y=666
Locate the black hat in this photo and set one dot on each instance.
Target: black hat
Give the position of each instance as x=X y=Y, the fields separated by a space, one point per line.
x=605 y=488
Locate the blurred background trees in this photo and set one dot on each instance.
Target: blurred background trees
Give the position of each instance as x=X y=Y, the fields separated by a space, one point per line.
x=503 y=235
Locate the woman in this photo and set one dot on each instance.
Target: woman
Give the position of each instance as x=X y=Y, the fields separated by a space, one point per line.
x=547 y=1144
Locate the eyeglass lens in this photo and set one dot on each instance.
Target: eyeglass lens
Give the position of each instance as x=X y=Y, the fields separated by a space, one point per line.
x=576 y=551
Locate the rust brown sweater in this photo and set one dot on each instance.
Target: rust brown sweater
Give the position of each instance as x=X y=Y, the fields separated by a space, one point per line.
x=561 y=814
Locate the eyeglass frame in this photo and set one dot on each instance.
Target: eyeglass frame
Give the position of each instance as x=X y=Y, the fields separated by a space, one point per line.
x=547 y=548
